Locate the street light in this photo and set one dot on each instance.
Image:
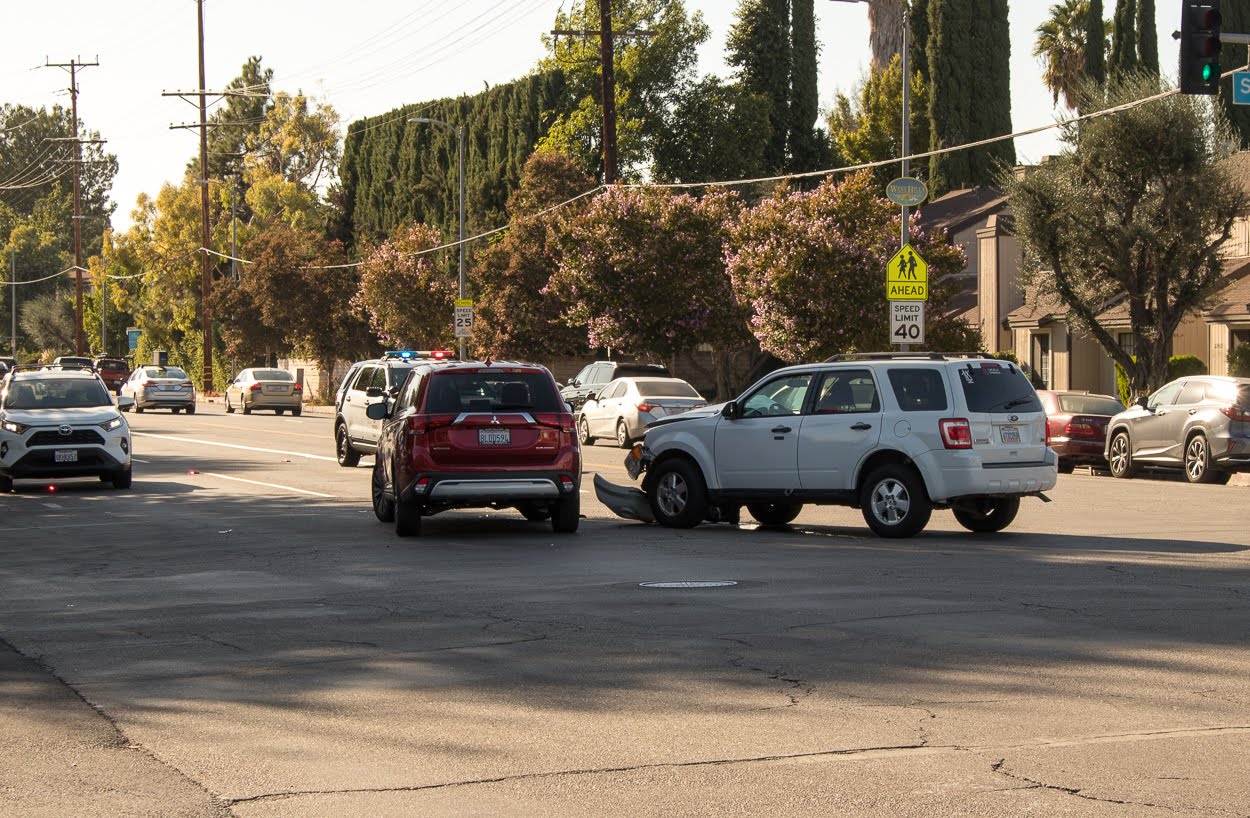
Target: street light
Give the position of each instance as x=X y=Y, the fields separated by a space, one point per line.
x=459 y=132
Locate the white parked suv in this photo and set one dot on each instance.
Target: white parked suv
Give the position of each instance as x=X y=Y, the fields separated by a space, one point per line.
x=62 y=423
x=896 y=434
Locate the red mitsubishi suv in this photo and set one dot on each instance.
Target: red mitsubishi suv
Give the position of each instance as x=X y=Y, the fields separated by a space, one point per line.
x=465 y=434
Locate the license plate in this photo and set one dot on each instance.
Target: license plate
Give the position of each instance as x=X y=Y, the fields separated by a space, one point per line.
x=275 y=390
x=494 y=437
x=1010 y=434
x=65 y=456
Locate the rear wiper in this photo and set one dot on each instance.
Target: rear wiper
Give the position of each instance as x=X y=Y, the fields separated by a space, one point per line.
x=1023 y=399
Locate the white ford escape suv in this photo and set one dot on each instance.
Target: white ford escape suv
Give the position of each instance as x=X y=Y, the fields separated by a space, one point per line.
x=896 y=434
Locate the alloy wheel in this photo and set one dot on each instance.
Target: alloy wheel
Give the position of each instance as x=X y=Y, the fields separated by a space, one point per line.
x=890 y=501
x=672 y=493
x=1196 y=458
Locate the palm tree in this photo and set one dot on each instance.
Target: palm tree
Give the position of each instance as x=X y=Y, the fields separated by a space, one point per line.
x=1060 y=46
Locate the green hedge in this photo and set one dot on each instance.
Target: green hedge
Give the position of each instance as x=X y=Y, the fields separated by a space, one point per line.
x=1239 y=361
x=1179 y=366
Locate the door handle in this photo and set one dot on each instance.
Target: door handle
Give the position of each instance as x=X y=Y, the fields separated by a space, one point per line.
x=1193 y=411
x=781 y=430
x=862 y=427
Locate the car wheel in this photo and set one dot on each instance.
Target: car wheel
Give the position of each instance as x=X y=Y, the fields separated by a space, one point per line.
x=1121 y=456
x=1066 y=466
x=138 y=409
x=122 y=479
x=279 y=411
x=583 y=432
x=229 y=406
x=297 y=411
x=173 y=410
x=247 y=410
x=534 y=512
x=774 y=513
x=191 y=409
x=1198 y=468
x=894 y=502
x=566 y=514
x=6 y=484
x=407 y=519
x=677 y=494
x=383 y=507
x=348 y=457
x=988 y=515
x=622 y=434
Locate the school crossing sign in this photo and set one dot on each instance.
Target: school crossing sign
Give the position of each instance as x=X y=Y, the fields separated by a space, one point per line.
x=907 y=276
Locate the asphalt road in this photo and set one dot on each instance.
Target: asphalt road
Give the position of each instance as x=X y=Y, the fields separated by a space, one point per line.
x=237 y=635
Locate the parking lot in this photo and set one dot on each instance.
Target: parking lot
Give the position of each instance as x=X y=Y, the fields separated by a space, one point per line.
x=237 y=635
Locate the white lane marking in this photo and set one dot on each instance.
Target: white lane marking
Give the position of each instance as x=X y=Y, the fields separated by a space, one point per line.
x=137 y=460
x=267 y=485
x=232 y=446
x=53 y=505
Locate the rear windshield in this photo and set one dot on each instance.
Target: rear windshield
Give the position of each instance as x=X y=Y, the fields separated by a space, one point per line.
x=271 y=375
x=625 y=370
x=1089 y=405
x=163 y=372
x=56 y=393
x=666 y=389
x=491 y=390
x=110 y=363
x=997 y=386
x=1229 y=392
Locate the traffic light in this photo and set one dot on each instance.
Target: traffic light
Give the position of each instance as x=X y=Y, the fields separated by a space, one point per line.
x=1200 y=47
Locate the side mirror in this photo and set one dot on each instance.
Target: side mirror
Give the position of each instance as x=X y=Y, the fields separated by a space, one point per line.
x=591 y=396
x=376 y=411
x=574 y=382
x=1143 y=402
x=374 y=392
x=731 y=411
x=125 y=402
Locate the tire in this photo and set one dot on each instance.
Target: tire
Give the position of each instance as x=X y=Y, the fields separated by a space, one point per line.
x=247 y=410
x=566 y=514
x=173 y=410
x=191 y=409
x=229 y=406
x=774 y=513
x=383 y=505
x=6 y=484
x=583 y=432
x=534 y=512
x=348 y=457
x=894 y=502
x=1198 y=468
x=677 y=494
x=297 y=411
x=279 y=411
x=1066 y=466
x=1120 y=456
x=407 y=519
x=138 y=409
x=989 y=515
x=123 y=479
x=622 y=434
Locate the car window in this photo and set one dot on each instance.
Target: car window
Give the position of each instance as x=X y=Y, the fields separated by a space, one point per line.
x=1090 y=405
x=56 y=393
x=1165 y=396
x=613 y=390
x=408 y=396
x=370 y=377
x=780 y=396
x=1192 y=392
x=271 y=375
x=997 y=386
x=602 y=373
x=584 y=376
x=493 y=390
x=918 y=390
x=666 y=389
x=164 y=372
x=1226 y=392
x=396 y=374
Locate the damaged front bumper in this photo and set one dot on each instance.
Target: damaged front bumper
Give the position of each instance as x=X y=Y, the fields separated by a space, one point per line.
x=628 y=501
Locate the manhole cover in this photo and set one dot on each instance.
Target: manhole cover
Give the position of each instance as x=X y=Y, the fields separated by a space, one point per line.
x=690 y=583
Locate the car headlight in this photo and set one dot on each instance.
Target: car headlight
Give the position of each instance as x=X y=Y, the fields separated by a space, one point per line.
x=13 y=426
x=110 y=425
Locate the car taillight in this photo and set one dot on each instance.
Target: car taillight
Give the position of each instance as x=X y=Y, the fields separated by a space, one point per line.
x=557 y=420
x=646 y=407
x=254 y=388
x=299 y=387
x=1082 y=427
x=145 y=383
x=956 y=433
x=188 y=384
x=1236 y=413
x=420 y=424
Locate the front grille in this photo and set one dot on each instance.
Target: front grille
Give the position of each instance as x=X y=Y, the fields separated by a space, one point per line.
x=76 y=437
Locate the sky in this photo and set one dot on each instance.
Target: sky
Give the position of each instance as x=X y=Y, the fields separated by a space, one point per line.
x=369 y=56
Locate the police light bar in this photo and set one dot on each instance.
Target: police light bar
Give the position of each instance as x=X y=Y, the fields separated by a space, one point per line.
x=419 y=354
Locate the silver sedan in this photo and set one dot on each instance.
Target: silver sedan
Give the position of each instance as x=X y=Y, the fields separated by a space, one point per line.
x=264 y=388
x=160 y=387
x=624 y=407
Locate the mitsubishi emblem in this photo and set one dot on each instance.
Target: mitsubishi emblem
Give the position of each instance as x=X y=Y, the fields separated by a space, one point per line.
x=494 y=420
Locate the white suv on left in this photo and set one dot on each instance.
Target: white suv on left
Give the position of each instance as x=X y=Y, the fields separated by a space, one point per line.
x=62 y=423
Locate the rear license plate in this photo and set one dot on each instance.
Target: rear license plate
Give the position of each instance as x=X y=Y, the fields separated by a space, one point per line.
x=65 y=456
x=494 y=437
x=1009 y=434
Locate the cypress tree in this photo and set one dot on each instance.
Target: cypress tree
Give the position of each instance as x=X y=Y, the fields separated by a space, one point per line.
x=759 y=47
x=1124 y=40
x=1236 y=18
x=1095 y=44
x=1148 y=37
x=919 y=39
x=804 y=98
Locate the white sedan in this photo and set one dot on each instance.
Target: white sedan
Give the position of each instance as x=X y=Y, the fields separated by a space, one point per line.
x=624 y=407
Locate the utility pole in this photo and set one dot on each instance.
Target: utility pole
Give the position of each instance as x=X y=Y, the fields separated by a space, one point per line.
x=607 y=74
x=73 y=66
x=13 y=301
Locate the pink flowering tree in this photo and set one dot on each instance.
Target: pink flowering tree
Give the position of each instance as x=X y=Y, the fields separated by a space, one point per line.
x=811 y=266
x=407 y=293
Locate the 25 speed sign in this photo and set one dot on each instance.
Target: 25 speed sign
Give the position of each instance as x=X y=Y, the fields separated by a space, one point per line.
x=907 y=322
x=464 y=318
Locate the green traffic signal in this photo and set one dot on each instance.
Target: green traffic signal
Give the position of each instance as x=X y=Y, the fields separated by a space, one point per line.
x=1210 y=72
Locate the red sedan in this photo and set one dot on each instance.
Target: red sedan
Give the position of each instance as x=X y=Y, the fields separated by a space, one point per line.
x=1076 y=426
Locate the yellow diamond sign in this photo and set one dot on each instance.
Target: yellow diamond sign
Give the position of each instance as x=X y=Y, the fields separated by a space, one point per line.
x=907 y=276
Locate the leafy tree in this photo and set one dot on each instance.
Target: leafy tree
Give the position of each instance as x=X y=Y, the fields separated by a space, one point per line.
x=237 y=121
x=759 y=47
x=631 y=244
x=517 y=317
x=1063 y=48
x=1096 y=43
x=918 y=54
x=407 y=296
x=1136 y=208
x=812 y=267
x=1124 y=59
x=1147 y=37
x=807 y=146
x=99 y=295
x=49 y=324
x=716 y=130
x=970 y=96
x=869 y=129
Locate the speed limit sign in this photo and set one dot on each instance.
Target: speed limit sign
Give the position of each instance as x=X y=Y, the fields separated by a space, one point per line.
x=464 y=317
x=907 y=322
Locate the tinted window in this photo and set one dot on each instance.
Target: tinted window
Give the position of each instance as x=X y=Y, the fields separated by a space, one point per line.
x=55 y=393
x=370 y=377
x=1090 y=405
x=997 y=386
x=111 y=363
x=492 y=390
x=847 y=391
x=666 y=389
x=271 y=375
x=654 y=370
x=163 y=372
x=1192 y=392
x=397 y=374
x=918 y=390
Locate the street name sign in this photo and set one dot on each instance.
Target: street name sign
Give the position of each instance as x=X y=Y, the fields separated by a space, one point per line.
x=464 y=317
x=907 y=191
x=907 y=322
x=1241 y=87
x=907 y=276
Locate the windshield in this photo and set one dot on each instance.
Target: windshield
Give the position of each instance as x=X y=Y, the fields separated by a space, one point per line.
x=666 y=389
x=997 y=386
x=1090 y=405
x=271 y=375
x=110 y=363
x=56 y=393
x=164 y=372
x=491 y=391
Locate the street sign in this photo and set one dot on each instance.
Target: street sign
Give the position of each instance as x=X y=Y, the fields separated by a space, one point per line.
x=464 y=317
x=132 y=337
x=1241 y=87
x=907 y=191
x=907 y=322
x=907 y=276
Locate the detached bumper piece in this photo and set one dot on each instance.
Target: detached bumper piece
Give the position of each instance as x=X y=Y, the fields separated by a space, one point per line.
x=624 y=501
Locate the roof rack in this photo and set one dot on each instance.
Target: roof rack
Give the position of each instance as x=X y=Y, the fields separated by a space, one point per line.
x=892 y=356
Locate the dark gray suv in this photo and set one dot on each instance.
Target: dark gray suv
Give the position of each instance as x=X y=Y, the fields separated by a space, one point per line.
x=594 y=377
